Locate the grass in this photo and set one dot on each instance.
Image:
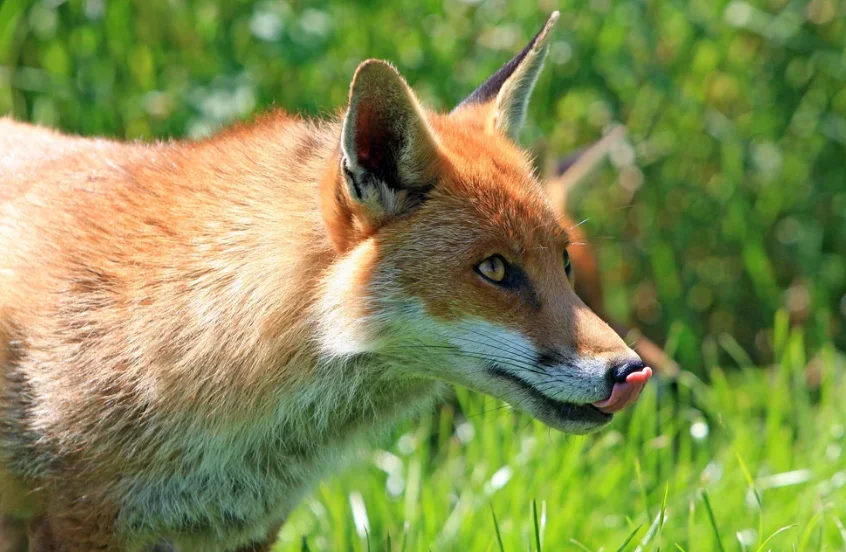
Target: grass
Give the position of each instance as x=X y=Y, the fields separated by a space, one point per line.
x=752 y=462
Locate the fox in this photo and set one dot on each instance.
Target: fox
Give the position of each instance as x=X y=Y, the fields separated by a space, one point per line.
x=193 y=333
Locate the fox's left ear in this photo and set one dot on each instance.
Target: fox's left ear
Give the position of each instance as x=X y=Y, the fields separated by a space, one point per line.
x=504 y=97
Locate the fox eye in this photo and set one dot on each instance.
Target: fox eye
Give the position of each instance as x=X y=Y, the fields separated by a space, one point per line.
x=567 y=268
x=493 y=269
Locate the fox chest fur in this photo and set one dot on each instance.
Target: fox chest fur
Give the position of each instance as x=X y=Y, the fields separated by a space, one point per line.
x=229 y=486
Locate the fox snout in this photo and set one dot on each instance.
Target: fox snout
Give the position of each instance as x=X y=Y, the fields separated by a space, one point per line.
x=564 y=396
x=571 y=387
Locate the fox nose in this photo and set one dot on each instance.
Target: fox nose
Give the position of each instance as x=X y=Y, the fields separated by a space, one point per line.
x=621 y=371
x=629 y=378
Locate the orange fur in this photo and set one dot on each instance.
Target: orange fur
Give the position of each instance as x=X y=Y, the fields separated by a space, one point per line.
x=191 y=333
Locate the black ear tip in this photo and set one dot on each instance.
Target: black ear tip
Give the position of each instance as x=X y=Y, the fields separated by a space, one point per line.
x=550 y=23
x=490 y=88
x=542 y=35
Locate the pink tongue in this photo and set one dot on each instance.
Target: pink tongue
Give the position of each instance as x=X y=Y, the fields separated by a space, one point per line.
x=625 y=394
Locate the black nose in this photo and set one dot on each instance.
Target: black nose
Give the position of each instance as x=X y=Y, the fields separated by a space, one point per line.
x=620 y=372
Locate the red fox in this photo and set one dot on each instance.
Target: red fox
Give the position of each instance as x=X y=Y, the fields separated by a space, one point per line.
x=192 y=333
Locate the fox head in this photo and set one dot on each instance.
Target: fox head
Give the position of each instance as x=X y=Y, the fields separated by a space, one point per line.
x=452 y=264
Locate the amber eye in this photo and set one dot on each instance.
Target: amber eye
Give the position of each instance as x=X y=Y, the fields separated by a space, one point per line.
x=493 y=269
x=567 y=268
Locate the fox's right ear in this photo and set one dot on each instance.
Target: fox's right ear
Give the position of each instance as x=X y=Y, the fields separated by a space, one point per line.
x=389 y=156
x=502 y=100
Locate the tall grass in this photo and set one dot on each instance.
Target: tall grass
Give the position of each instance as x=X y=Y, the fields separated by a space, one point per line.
x=753 y=461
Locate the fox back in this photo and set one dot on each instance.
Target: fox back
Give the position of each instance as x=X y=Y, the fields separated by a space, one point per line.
x=192 y=332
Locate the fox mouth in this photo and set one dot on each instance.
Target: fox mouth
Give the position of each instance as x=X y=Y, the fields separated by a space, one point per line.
x=586 y=414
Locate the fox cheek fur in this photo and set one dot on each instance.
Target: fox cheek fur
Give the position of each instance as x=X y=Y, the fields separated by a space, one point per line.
x=191 y=333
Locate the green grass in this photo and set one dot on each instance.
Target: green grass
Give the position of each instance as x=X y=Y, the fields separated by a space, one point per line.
x=753 y=461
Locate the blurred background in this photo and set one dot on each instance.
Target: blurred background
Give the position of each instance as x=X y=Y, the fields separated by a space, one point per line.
x=730 y=203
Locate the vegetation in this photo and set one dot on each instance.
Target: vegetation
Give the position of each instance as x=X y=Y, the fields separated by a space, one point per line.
x=721 y=231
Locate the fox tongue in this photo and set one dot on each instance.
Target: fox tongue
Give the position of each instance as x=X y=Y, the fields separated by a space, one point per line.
x=625 y=394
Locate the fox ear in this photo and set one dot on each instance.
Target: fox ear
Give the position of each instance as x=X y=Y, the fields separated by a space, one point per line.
x=568 y=172
x=506 y=93
x=389 y=154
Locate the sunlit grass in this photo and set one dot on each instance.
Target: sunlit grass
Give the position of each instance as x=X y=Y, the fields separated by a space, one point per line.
x=751 y=461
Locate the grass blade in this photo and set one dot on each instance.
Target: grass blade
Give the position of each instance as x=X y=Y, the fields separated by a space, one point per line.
x=840 y=528
x=749 y=480
x=405 y=536
x=691 y=520
x=650 y=534
x=580 y=545
x=496 y=528
x=768 y=539
x=537 y=525
x=629 y=539
x=809 y=529
x=643 y=495
x=754 y=489
x=663 y=515
x=713 y=520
